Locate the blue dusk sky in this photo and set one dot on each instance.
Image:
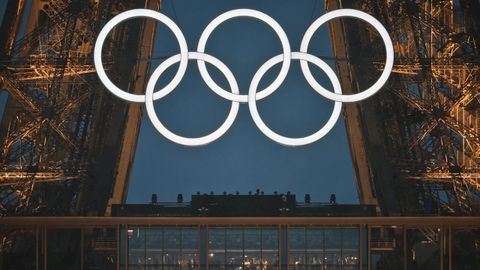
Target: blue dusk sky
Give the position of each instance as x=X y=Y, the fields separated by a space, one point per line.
x=243 y=159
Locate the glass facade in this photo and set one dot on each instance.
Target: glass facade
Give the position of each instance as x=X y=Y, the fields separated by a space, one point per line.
x=242 y=248
x=232 y=244
x=162 y=248
x=323 y=248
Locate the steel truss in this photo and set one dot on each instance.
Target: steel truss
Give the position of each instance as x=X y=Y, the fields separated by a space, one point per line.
x=430 y=112
x=57 y=109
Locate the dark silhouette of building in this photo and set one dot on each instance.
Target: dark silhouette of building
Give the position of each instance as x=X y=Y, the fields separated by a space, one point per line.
x=243 y=206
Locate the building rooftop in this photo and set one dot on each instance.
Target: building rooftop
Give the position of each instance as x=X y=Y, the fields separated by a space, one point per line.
x=252 y=205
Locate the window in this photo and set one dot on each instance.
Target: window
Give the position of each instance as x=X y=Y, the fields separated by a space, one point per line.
x=323 y=248
x=242 y=248
x=163 y=248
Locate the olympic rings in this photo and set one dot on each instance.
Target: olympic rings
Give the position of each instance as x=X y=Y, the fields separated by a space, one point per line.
x=337 y=109
x=270 y=22
x=184 y=140
x=134 y=13
x=388 y=48
x=234 y=94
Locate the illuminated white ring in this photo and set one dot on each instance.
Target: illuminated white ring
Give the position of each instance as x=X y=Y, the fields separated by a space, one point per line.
x=186 y=140
x=287 y=140
x=256 y=15
x=135 y=13
x=388 y=48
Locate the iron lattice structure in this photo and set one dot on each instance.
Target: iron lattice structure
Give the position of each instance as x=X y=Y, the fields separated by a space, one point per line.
x=421 y=133
x=62 y=134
